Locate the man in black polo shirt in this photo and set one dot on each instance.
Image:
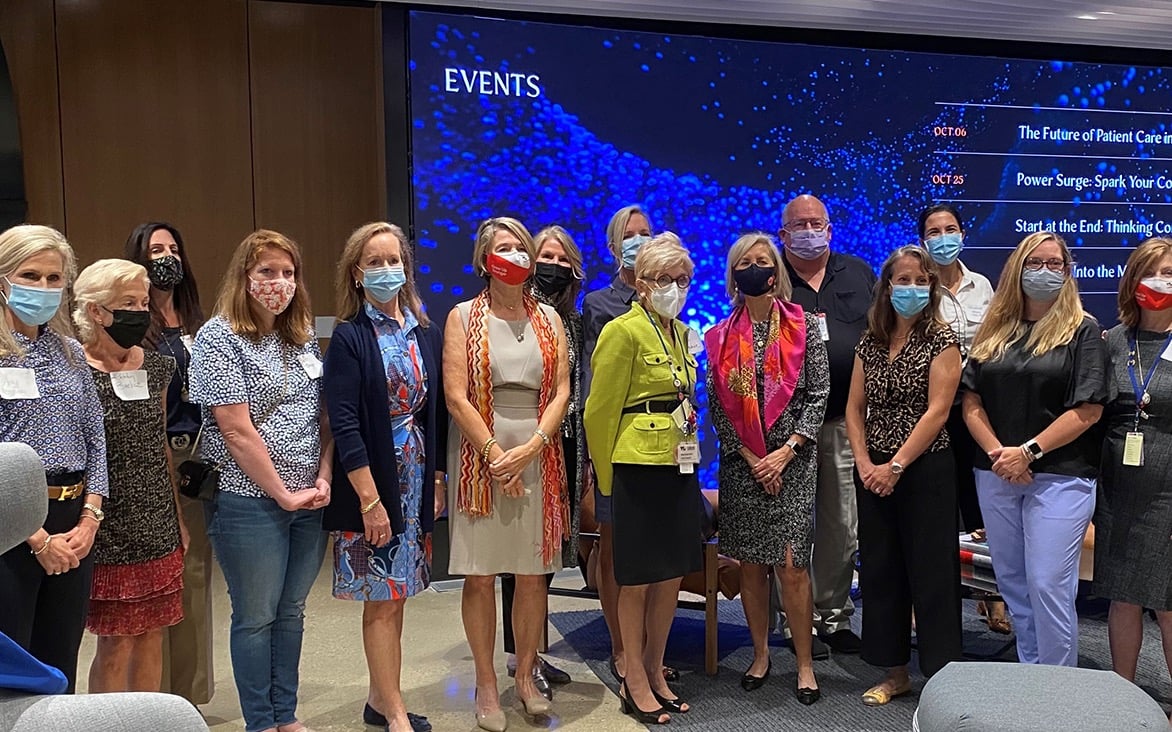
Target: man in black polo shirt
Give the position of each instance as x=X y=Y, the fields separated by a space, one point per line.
x=837 y=288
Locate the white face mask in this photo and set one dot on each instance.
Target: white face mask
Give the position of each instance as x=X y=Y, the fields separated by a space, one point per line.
x=668 y=301
x=517 y=257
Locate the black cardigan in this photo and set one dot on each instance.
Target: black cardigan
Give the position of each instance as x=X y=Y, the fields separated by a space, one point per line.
x=355 y=380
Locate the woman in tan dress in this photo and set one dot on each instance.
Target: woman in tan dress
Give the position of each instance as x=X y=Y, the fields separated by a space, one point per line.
x=507 y=385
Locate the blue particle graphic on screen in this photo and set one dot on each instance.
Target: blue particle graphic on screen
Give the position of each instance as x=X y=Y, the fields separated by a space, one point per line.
x=559 y=124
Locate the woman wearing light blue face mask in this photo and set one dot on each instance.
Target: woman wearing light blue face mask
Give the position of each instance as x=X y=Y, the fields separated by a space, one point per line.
x=1035 y=383
x=384 y=393
x=966 y=298
x=48 y=401
x=907 y=367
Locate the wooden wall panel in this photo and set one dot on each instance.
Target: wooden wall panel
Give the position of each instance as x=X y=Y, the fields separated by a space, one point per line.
x=318 y=162
x=26 y=30
x=155 y=124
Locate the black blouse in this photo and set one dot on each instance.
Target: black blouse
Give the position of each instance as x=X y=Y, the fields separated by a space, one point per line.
x=1023 y=394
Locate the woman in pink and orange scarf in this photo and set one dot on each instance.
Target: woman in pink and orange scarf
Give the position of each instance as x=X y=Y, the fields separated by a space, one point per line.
x=768 y=381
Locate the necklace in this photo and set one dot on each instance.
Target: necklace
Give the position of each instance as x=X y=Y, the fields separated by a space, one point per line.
x=180 y=365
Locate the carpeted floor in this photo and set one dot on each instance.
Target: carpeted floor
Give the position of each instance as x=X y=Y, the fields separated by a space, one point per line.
x=720 y=704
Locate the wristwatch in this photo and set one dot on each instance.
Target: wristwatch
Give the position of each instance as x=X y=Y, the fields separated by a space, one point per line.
x=98 y=513
x=896 y=468
x=1034 y=449
x=794 y=446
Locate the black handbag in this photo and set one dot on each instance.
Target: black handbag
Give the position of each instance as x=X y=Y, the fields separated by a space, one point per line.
x=199 y=479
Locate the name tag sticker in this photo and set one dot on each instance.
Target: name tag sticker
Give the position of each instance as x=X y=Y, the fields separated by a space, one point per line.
x=188 y=341
x=130 y=386
x=18 y=384
x=1167 y=354
x=1133 y=449
x=822 y=327
x=695 y=345
x=311 y=364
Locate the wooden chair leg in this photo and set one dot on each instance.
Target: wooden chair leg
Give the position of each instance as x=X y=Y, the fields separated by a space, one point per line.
x=711 y=622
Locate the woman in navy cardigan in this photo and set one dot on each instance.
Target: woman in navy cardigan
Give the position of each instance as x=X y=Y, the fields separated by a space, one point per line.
x=383 y=390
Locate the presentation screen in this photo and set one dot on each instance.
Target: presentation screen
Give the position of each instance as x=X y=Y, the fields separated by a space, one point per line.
x=564 y=124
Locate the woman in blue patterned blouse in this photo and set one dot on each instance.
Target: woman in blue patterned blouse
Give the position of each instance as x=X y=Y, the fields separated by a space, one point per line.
x=255 y=370
x=48 y=401
x=386 y=405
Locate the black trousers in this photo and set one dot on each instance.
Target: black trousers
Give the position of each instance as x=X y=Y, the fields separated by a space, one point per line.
x=910 y=560
x=45 y=614
x=964 y=450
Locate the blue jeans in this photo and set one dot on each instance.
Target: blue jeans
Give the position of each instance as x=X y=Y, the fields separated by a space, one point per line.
x=270 y=558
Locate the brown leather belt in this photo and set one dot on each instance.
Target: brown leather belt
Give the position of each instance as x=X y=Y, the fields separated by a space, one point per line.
x=66 y=492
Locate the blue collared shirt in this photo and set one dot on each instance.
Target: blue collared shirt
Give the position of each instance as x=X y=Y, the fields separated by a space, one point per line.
x=64 y=425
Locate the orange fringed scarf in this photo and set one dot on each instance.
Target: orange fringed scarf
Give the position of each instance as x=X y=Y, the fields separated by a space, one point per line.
x=475 y=495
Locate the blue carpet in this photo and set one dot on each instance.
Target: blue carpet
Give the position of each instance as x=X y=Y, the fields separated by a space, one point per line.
x=719 y=703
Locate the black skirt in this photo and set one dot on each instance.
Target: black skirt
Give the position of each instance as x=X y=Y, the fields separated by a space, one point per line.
x=656 y=523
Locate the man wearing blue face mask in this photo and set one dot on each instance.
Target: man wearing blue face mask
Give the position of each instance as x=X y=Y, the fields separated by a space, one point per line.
x=837 y=288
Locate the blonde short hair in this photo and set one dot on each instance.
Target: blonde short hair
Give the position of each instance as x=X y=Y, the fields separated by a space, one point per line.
x=349 y=293
x=99 y=284
x=663 y=252
x=235 y=304
x=488 y=230
x=618 y=225
x=18 y=244
x=782 y=289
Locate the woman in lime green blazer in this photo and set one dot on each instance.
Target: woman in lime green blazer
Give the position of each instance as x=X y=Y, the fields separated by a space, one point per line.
x=641 y=431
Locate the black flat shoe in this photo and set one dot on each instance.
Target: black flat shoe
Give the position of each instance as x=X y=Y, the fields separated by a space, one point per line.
x=808 y=696
x=670 y=674
x=675 y=706
x=418 y=722
x=655 y=716
x=554 y=674
x=752 y=683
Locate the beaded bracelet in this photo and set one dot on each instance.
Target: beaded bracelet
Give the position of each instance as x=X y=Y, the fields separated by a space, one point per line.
x=544 y=437
x=487 y=447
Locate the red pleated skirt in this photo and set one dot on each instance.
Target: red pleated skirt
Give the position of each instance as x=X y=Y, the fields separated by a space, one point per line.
x=131 y=599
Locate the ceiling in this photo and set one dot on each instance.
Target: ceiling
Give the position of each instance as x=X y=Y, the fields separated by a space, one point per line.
x=1121 y=23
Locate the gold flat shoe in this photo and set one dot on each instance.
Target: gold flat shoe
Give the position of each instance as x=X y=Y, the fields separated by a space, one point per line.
x=878 y=695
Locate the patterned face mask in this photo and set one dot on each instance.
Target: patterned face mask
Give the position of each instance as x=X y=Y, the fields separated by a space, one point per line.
x=275 y=295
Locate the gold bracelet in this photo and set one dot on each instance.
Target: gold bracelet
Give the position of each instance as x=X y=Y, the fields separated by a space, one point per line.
x=370 y=506
x=487 y=447
x=44 y=546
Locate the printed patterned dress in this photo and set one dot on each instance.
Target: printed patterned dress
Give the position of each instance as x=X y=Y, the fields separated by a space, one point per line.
x=402 y=568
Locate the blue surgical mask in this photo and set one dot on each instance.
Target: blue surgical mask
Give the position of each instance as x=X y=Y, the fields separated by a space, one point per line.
x=909 y=300
x=383 y=283
x=808 y=244
x=33 y=305
x=945 y=249
x=631 y=246
x=1042 y=284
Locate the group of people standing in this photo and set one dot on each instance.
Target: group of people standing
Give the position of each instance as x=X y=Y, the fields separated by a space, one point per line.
x=832 y=393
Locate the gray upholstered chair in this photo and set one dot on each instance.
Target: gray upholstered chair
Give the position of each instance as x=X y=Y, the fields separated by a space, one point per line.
x=24 y=501
x=1013 y=697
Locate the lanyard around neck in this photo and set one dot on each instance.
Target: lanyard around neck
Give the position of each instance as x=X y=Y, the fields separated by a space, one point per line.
x=1142 y=397
x=671 y=359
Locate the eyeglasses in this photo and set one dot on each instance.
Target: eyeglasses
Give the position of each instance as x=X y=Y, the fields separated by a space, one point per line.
x=682 y=282
x=803 y=224
x=1034 y=264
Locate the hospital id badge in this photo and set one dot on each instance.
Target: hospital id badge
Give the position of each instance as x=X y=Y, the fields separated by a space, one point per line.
x=687 y=455
x=1133 y=449
x=823 y=328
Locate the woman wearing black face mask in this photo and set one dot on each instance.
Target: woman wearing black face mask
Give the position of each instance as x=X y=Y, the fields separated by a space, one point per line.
x=176 y=316
x=557 y=282
x=138 y=557
x=768 y=380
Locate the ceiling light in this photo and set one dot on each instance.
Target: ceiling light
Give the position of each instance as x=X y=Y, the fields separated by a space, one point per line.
x=1087 y=16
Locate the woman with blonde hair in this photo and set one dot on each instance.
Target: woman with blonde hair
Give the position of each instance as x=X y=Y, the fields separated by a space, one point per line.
x=557 y=282
x=137 y=587
x=384 y=393
x=1133 y=511
x=1034 y=385
x=507 y=384
x=768 y=380
x=641 y=430
x=907 y=367
x=48 y=401
x=256 y=373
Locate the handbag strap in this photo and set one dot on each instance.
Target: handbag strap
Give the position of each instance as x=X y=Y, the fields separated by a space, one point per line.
x=268 y=412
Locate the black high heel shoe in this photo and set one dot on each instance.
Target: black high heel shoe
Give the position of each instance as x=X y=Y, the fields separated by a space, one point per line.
x=628 y=706
x=614 y=670
x=675 y=706
x=752 y=683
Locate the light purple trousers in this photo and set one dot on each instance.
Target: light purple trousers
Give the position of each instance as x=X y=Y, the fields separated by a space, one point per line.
x=1035 y=539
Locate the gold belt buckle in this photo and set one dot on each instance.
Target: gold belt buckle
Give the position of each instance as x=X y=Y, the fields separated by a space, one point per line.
x=68 y=491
